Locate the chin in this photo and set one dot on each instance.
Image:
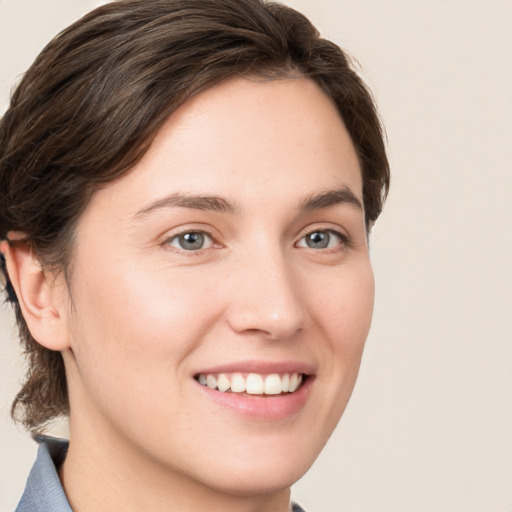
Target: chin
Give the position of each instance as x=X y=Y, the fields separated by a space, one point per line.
x=263 y=470
x=257 y=481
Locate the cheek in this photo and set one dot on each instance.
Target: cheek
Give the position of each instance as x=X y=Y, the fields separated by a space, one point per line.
x=132 y=335
x=142 y=306
x=346 y=307
x=346 y=312
x=136 y=323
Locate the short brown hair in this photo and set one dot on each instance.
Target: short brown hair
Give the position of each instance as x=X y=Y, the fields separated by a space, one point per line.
x=90 y=105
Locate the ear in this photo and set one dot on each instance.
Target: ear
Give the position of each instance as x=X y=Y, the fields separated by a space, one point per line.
x=41 y=296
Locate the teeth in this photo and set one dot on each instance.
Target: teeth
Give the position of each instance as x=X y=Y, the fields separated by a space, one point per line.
x=237 y=383
x=253 y=383
x=273 y=385
x=285 y=383
x=211 y=381
x=223 y=383
x=294 y=379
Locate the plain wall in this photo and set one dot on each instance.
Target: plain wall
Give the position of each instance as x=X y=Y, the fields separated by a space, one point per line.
x=429 y=426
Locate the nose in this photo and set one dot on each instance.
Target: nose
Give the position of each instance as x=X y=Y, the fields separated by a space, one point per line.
x=266 y=299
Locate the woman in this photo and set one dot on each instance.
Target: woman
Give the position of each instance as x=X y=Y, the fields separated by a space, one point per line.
x=187 y=192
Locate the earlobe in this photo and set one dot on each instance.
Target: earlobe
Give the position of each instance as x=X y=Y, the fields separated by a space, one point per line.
x=38 y=294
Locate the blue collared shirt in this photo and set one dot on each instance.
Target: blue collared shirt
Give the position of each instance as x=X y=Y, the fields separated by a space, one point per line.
x=44 y=492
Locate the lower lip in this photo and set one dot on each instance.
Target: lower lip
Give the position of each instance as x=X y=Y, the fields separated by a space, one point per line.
x=264 y=407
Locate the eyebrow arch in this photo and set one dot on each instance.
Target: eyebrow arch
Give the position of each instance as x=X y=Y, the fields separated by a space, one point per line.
x=219 y=204
x=196 y=202
x=330 y=198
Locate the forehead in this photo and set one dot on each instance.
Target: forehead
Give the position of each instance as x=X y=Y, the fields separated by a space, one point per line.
x=251 y=141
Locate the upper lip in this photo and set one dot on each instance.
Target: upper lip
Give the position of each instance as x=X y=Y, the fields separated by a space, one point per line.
x=262 y=367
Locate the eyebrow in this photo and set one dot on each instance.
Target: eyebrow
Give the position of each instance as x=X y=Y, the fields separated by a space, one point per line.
x=196 y=202
x=322 y=200
x=219 y=204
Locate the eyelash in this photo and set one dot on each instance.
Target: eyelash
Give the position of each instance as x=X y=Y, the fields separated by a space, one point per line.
x=344 y=240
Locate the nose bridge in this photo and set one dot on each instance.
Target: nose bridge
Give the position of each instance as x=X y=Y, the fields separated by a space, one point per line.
x=267 y=296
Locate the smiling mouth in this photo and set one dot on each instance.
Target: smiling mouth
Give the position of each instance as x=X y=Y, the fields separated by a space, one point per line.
x=252 y=383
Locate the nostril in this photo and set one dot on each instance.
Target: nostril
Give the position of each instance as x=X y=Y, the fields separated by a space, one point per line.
x=270 y=325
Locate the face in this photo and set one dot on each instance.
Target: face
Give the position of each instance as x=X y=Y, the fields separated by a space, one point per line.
x=222 y=291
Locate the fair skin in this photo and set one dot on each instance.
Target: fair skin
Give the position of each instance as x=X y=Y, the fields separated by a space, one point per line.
x=273 y=278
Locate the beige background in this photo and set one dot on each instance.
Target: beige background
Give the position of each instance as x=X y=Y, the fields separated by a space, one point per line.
x=429 y=427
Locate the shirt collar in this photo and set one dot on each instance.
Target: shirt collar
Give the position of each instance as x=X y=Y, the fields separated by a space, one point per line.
x=44 y=492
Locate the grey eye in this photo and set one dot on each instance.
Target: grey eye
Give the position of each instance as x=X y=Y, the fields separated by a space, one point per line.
x=191 y=241
x=320 y=240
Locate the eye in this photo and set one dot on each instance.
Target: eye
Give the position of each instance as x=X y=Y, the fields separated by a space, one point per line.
x=191 y=241
x=321 y=239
